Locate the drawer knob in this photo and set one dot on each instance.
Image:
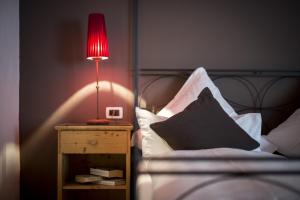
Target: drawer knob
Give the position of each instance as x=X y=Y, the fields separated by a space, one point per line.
x=93 y=142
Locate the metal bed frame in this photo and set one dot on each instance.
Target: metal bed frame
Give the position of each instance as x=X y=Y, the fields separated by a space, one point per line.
x=257 y=95
x=227 y=175
x=243 y=77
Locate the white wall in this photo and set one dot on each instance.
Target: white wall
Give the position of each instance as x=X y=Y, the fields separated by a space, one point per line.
x=9 y=100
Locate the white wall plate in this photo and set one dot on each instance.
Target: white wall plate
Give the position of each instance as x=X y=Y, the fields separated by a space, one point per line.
x=114 y=112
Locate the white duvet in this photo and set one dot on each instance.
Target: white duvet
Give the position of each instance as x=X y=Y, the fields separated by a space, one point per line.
x=224 y=187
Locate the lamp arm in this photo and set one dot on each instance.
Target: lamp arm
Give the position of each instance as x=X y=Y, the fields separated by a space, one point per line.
x=97 y=86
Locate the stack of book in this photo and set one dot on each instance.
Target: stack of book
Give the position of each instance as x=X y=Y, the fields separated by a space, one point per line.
x=87 y=178
x=102 y=176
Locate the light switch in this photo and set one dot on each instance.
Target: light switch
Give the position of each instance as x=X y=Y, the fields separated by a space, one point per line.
x=114 y=112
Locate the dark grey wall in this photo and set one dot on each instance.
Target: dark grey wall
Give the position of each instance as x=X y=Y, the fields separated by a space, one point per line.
x=219 y=34
x=9 y=103
x=54 y=69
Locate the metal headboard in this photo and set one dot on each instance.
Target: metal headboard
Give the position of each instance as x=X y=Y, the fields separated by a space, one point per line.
x=243 y=77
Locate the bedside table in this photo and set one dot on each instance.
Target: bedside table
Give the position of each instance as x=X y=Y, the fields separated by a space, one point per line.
x=81 y=147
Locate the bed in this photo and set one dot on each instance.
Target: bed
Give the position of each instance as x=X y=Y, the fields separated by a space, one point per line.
x=229 y=158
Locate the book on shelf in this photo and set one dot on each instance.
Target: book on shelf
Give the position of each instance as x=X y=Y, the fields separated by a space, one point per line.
x=105 y=172
x=112 y=181
x=87 y=178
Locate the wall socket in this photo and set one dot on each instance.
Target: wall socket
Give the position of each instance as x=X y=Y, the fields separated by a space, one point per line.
x=114 y=112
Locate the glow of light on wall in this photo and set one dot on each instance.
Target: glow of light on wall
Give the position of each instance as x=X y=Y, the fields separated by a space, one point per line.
x=72 y=102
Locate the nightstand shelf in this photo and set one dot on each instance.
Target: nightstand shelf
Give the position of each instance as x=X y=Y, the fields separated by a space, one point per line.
x=81 y=147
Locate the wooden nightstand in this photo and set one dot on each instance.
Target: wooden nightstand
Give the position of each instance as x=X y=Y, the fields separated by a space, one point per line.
x=83 y=146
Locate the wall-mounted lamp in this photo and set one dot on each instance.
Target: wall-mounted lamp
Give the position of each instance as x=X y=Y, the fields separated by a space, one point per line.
x=97 y=49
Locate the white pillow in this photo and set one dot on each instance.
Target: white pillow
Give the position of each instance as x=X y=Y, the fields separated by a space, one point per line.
x=152 y=144
x=190 y=91
x=286 y=137
x=251 y=124
x=266 y=145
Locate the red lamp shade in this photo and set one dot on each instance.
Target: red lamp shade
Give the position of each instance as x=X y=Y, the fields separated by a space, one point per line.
x=97 y=44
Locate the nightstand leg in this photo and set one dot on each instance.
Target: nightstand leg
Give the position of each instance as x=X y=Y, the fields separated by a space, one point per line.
x=59 y=176
x=128 y=175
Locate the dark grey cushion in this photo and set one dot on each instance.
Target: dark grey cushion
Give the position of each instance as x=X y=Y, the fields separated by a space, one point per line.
x=201 y=125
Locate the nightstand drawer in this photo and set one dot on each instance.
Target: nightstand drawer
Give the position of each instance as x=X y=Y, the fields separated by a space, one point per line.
x=93 y=142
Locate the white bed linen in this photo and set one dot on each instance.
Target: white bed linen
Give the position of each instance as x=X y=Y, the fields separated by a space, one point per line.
x=152 y=144
x=171 y=187
x=190 y=91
